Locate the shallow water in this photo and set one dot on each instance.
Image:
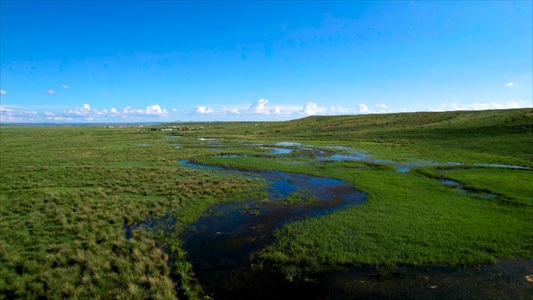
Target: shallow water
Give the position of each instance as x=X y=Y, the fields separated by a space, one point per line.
x=190 y=164
x=503 y=166
x=355 y=155
x=505 y=280
x=288 y=144
x=349 y=154
x=168 y=137
x=279 y=150
x=449 y=182
x=220 y=243
x=338 y=148
x=344 y=157
x=459 y=186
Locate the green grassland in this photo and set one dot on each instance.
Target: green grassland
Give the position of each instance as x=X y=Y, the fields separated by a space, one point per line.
x=66 y=195
x=67 y=192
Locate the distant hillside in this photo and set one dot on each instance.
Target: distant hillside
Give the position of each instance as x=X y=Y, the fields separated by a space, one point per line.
x=503 y=132
x=410 y=125
x=506 y=132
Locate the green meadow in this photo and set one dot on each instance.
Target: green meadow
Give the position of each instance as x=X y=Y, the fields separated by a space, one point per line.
x=67 y=194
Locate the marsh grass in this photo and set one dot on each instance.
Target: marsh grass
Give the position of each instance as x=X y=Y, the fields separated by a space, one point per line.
x=63 y=209
x=301 y=196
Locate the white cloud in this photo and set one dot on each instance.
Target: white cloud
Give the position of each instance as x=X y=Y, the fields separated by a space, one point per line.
x=12 y=115
x=174 y=109
x=289 y=109
x=2 y=92
x=313 y=109
x=152 y=110
x=510 y=84
x=341 y=111
x=381 y=105
x=65 y=87
x=204 y=110
x=87 y=112
x=59 y=118
x=83 y=113
x=259 y=107
x=15 y=106
x=483 y=106
x=48 y=92
x=229 y=110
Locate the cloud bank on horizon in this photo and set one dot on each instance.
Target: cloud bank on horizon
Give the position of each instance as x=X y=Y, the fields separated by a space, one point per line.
x=17 y=114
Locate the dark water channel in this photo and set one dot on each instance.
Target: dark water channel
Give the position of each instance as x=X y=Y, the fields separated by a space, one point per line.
x=219 y=245
x=459 y=186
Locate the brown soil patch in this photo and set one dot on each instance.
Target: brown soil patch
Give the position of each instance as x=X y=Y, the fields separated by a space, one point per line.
x=335 y=125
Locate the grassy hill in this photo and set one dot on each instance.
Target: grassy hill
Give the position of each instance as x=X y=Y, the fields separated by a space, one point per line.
x=506 y=132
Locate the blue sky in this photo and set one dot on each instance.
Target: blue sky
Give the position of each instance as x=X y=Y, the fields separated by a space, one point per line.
x=96 y=61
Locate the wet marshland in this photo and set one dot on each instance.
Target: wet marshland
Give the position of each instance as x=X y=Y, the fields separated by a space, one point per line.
x=221 y=243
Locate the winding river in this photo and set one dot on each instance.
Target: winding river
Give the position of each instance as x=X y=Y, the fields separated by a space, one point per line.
x=219 y=245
